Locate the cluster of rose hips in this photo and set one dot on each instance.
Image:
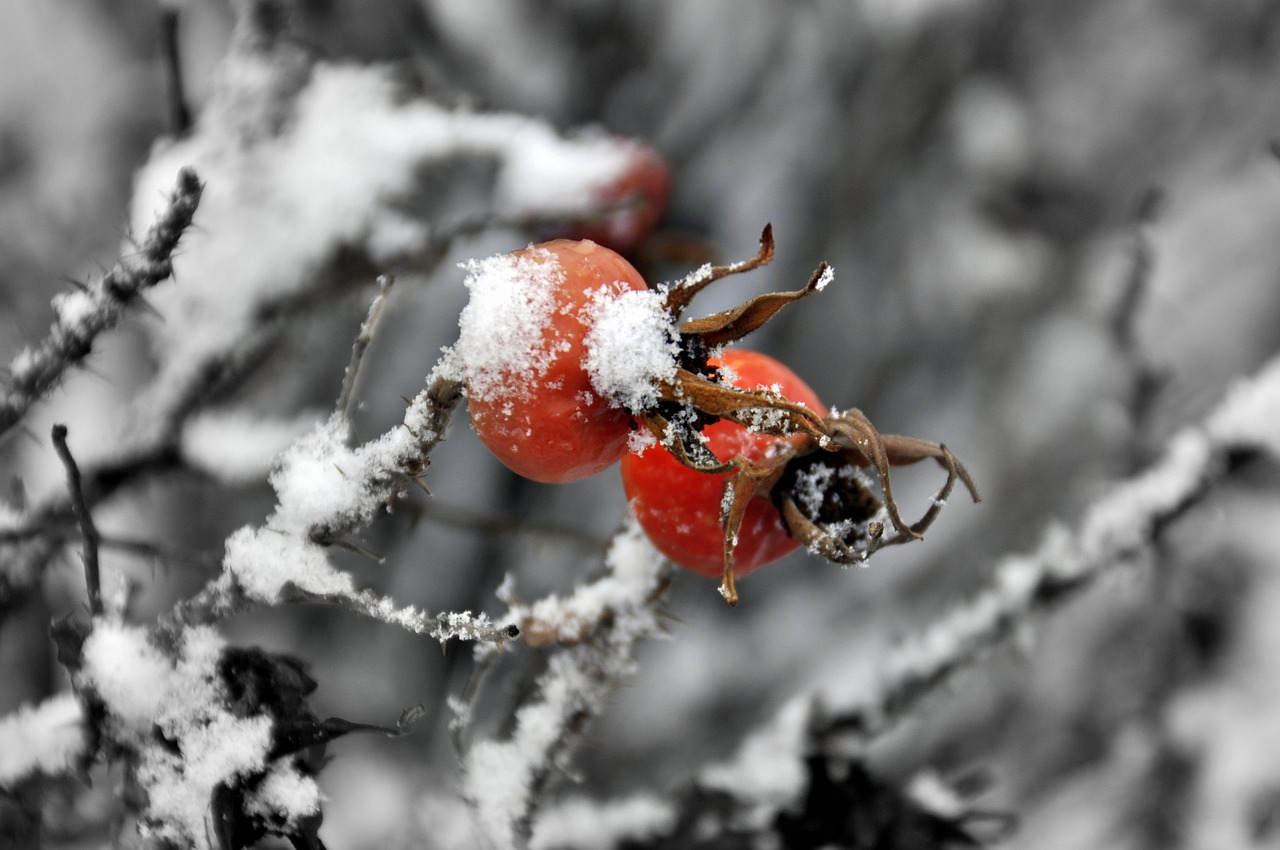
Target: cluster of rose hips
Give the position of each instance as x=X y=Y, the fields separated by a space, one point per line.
x=729 y=460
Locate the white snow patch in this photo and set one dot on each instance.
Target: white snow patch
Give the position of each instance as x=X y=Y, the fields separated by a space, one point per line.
x=75 y=309
x=264 y=560
x=503 y=342
x=179 y=787
x=286 y=793
x=47 y=738
x=546 y=174
x=631 y=346
x=237 y=447
x=127 y=672
x=589 y=825
x=212 y=745
x=1250 y=414
x=322 y=480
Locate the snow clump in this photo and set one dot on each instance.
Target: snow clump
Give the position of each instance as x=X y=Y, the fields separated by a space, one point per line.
x=631 y=346
x=501 y=347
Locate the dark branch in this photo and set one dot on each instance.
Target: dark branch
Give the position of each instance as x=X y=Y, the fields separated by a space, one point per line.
x=179 y=111
x=90 y=532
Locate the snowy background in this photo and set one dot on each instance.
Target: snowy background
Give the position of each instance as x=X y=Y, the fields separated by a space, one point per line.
x=1053 y=228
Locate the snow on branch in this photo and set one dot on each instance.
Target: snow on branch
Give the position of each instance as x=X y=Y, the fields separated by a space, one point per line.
x=82 y=315
x=1118 y=529
x=326 y=488
x=312 y=171
x=317 y=197
x=506 y=781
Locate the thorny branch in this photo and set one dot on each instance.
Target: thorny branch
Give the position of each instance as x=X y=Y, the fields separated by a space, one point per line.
x=85 y=314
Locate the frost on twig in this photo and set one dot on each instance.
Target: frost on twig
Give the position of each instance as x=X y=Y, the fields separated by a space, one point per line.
x=98 y=307
x=1118 y=529
x=506 y=781
x=325 y=489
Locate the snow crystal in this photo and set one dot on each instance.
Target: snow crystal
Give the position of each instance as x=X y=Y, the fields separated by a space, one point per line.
x=586 y=824
x=640 y=439
x=501 y=343
x=319 y=477
x=824 y=280
x=47 y=737
x=238 y=447
x=631 y=346
x=126 y=671
x=264 y=560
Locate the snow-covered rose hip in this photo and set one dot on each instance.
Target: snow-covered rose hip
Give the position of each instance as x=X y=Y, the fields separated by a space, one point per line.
x=567 y=357
x=558 y=343
x=680 y=509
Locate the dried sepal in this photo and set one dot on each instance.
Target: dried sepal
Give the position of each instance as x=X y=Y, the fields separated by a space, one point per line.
x=758 y=410
x=748 y=481
x=683 y=441
x=733 y=324
x=680 y=293
x=848 y=530
x=825 y=539
x=854 y=430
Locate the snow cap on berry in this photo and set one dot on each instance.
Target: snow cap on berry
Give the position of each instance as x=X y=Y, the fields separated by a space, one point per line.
x=631 y=346
x=501 y=344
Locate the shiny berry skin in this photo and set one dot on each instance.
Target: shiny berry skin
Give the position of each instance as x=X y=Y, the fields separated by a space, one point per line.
x=679 y=508
x=637 y=201
x=551 y=425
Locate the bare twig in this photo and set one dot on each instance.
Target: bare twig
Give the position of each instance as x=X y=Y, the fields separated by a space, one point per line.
x=84 y=315
x=90 y=532
x=179 y=111
x=347 y=398
x=1147 y=380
